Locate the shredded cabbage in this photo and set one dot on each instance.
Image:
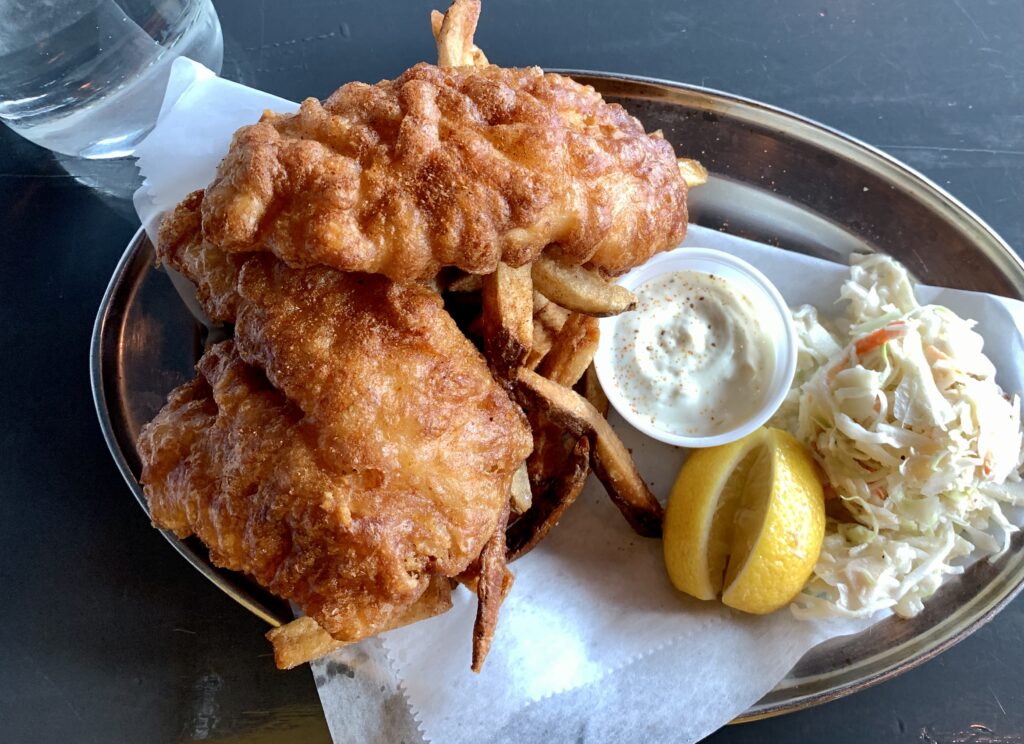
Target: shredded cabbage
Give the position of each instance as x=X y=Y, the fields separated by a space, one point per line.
x=920 y=448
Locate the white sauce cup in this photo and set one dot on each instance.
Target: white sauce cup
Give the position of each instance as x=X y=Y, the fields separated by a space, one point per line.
x=778 y=326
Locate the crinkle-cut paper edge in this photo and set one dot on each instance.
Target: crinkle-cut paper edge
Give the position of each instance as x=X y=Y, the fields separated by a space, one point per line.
x=417 y=719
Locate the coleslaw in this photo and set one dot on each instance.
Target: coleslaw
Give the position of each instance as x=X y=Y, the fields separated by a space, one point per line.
x=920 y=448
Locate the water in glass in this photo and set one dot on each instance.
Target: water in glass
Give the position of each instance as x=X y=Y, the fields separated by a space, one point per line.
x=86 y=77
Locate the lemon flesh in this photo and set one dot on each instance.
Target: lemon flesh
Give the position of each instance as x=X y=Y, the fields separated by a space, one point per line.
x=746 y=521
x=697 y=527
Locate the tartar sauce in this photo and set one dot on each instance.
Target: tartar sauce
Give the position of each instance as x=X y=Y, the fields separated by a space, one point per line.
x=693 y=358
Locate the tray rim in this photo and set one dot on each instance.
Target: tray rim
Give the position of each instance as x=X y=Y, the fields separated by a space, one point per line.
x=97 y=379
x=873 y=159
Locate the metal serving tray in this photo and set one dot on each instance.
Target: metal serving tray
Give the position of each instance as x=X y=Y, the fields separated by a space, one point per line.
x=775 y=177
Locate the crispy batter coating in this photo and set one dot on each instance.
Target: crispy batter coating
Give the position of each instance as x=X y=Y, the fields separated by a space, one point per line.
x=180 y=245
x=349 y=448
x=458 y=166
x=374 y=451
x=396 y=389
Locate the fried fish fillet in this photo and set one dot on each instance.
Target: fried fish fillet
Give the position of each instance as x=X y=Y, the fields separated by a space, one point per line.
x=349 y=448
x=454 y=166
x=349 y=445
x=214 y=273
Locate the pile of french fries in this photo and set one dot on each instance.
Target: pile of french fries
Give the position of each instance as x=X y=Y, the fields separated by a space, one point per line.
x=538 y=327
x=539 y=336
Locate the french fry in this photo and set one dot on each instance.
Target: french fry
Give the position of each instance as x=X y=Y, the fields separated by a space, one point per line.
x=521 y=494
x=548 y=319
x=693 y=172
x=542 y=340
x=593 y=391
x=580 y=290
x=609 y=457
x=507 y=319
x=549 y=314
x=466 y=283
x=492 y=585
x=549 y=454
x=300 y=641
x=304 y=640
x=567 y=351
x=454 y=31
x=572 y=350
x=526 y=532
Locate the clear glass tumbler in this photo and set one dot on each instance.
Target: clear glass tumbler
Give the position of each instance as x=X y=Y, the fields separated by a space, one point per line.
x=86 y=77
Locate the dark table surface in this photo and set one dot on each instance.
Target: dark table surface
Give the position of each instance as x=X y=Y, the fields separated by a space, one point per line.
x=106 y=635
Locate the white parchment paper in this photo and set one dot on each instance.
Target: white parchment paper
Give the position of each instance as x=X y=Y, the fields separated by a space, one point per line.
x=593 y=643
x=200 y=113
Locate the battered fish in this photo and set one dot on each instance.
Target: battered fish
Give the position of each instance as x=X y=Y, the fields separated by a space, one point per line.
x=214 y=273
x=347 y=446
x=349 y=449
x=454 y=166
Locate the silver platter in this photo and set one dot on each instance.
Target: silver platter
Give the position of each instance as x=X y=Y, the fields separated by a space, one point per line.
x=775 y=177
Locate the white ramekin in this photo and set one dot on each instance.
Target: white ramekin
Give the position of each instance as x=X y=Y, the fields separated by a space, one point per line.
x=779 y=326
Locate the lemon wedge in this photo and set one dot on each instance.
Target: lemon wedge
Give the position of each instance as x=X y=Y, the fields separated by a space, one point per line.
x=745 y=521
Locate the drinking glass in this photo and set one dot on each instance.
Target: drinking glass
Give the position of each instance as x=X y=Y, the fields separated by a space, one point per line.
x=86 y=77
